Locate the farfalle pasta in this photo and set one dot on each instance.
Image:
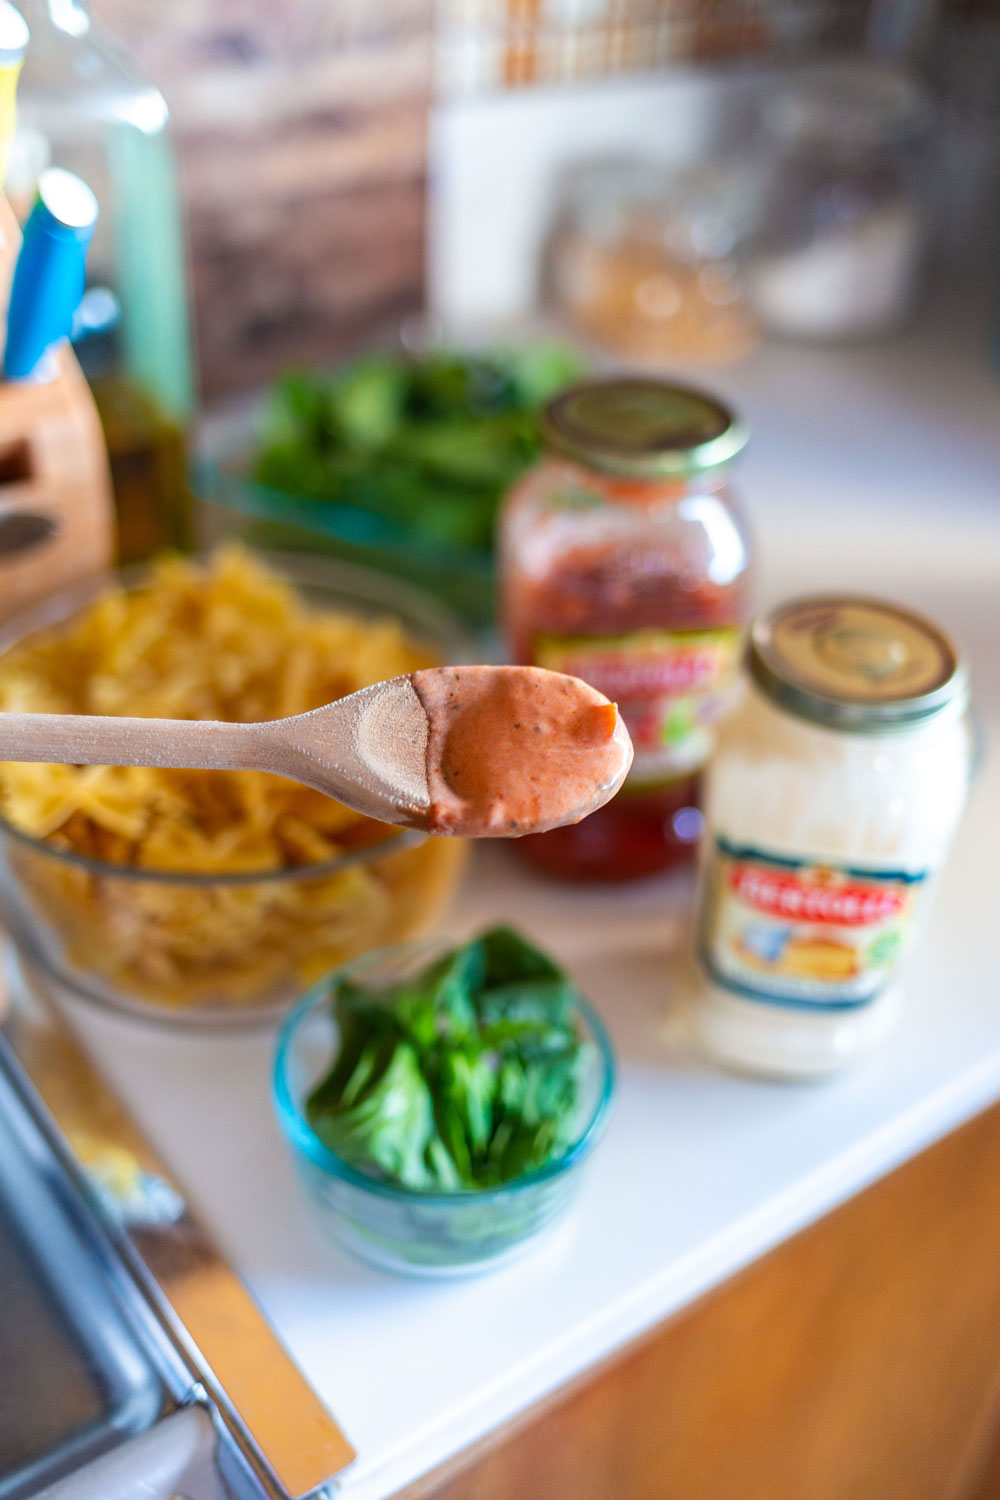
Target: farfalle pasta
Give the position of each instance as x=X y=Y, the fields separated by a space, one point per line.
x=227 y=639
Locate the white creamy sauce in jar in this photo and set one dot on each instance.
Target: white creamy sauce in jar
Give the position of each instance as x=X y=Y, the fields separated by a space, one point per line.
x=830 y=803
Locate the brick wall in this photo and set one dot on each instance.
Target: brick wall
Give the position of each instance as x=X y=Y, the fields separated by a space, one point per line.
x=301 y=126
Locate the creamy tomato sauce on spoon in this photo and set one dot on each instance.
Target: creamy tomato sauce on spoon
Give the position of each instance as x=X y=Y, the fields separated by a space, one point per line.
x=513 y=750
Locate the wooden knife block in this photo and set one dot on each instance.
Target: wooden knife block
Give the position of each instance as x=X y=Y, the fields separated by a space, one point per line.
x=56 y=512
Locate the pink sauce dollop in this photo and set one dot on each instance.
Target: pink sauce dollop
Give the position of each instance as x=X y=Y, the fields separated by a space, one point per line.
x=514 y=750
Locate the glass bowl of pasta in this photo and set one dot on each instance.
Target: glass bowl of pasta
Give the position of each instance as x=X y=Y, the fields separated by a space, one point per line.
x=209 y=898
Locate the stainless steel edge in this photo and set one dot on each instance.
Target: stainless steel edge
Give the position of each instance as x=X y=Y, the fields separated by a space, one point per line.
x=284 y=1432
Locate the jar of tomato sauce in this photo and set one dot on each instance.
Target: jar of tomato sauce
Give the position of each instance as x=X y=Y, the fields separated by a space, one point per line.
x=624 y=561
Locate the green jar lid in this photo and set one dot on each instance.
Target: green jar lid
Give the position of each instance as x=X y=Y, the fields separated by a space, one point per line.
x=855 y=664
x=643 y=428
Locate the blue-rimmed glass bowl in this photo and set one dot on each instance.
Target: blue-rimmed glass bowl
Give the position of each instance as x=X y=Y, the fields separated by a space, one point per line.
x=401 y=1229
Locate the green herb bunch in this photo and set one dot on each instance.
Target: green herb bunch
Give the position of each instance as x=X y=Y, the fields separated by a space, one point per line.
x=465 y=1076
x=429 y=442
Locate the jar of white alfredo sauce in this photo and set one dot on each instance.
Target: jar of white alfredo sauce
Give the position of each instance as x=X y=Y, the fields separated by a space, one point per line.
x=830 y=803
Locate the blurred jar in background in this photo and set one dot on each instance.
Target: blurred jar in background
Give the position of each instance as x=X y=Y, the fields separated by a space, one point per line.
x=624 y=561
x=647 y=262
x=82 y=105
x=843 y=228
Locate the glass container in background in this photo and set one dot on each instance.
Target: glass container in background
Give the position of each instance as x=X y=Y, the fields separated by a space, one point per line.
x=843 y=230
x=83 y=105
x=624 y=561
x=647 y=261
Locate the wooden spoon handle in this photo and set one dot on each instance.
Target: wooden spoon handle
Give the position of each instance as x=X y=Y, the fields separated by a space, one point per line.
x=97 y=740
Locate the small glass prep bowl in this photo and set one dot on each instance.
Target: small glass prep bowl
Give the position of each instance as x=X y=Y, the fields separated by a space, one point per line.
x=227 y=950
x=402 y=1229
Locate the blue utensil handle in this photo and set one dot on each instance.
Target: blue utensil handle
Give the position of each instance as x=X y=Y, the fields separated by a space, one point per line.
x=49 y=276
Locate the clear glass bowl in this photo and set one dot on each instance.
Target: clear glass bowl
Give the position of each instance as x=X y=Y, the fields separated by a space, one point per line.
x=221 y=951
x=397 y=1228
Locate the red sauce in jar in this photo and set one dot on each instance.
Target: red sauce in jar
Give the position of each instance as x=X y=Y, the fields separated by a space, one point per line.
x=639 y=586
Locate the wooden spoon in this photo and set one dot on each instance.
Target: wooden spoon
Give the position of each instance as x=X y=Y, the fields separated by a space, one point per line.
x=476 y=751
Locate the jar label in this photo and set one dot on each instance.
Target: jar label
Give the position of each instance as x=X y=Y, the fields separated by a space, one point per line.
x=671 y=686
x=800 y=932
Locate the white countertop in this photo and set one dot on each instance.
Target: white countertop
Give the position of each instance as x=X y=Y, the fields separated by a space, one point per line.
x=876 y=470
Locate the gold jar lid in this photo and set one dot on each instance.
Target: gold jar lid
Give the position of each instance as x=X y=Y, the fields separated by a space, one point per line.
x=642 y=428
x=854 y=663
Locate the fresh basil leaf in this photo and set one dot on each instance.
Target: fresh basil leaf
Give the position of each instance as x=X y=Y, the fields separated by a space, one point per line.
x=470 y=1085
x=389 y=1125
x=505 y=1036
x=441 y=1165
x=359 y=1017
x=509 y=957
x=528 y=1148
x=366 y=403
x=542 y=1003
x=371 y=1065
x=510 y=1085
x=466 y=1075
x=454 y=1142
x=450 y=984
x=414 y=1012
